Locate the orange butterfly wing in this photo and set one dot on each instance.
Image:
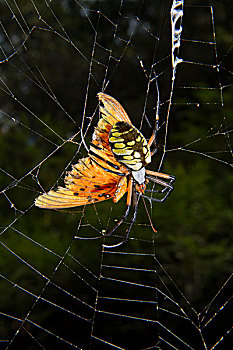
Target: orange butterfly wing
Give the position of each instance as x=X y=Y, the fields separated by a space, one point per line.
x=97 y=177
x=111 y=112
x=86 y=183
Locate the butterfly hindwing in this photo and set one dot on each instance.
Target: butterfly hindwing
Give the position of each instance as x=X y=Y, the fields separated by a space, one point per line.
x=86 y=183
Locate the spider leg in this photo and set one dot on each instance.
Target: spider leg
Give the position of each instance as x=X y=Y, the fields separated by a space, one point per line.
x=153 y=139
x=161 y=175
x=126 y=213
x=157 y=199
x=156 y=178
x=154 y=150
x=167 y=186
x=135 y=204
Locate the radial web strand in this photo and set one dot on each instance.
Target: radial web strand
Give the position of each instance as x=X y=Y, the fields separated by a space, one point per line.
x=170 y=66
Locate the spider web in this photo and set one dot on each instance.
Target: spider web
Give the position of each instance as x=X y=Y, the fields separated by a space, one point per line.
x=170 y=290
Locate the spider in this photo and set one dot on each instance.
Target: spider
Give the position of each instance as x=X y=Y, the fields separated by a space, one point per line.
x=115 y=165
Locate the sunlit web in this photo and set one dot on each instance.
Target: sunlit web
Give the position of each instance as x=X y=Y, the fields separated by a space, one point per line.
x=170 y=290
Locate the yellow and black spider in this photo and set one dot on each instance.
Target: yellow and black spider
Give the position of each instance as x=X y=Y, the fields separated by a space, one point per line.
x=115 y=165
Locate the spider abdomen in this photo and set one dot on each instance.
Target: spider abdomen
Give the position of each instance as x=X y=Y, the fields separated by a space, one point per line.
x=129 y=146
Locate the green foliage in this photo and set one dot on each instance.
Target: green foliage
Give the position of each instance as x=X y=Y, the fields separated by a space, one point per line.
x=195 y=226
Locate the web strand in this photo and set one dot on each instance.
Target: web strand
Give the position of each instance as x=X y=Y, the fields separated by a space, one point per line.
x=171 y=69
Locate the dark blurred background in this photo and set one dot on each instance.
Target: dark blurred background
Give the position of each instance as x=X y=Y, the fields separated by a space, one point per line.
x=55 y=58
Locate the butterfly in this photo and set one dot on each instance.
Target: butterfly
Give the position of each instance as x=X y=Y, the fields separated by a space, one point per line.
x=115 y=165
